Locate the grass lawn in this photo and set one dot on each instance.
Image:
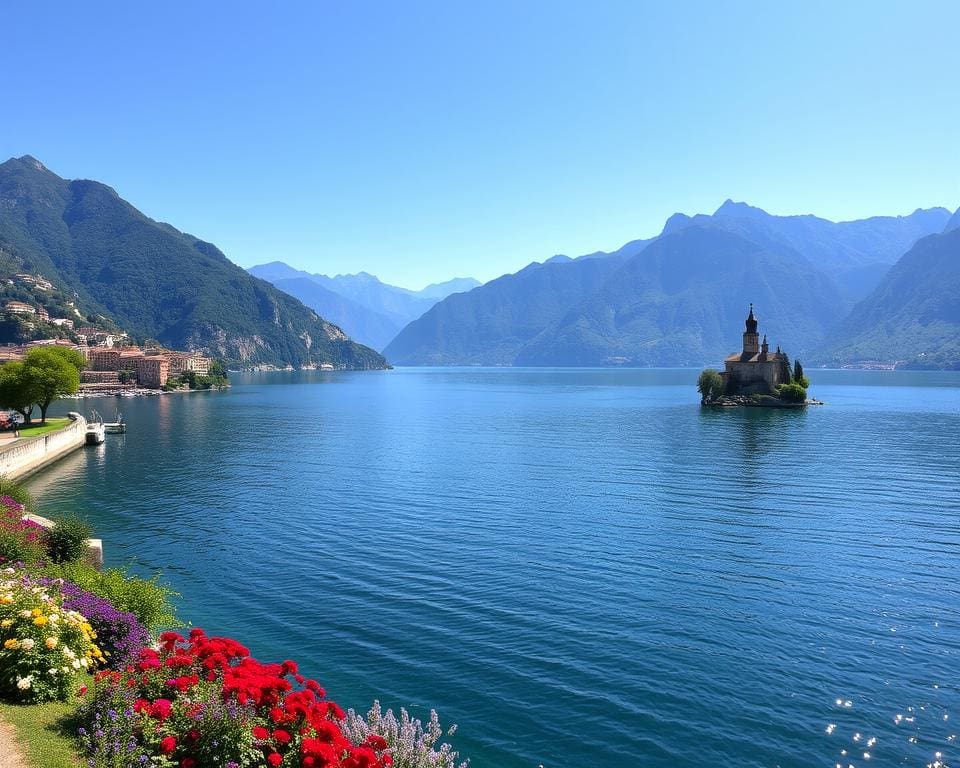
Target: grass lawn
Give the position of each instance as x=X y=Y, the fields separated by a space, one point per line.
x=42 y=429
x=45 y=732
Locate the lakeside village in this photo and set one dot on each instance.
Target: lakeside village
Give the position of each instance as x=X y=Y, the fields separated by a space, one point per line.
x=35 y=314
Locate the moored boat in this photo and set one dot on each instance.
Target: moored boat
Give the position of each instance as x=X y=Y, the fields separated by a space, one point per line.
x=96 y=431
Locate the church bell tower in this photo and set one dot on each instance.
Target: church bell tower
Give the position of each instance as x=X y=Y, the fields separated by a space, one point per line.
x=751 y=339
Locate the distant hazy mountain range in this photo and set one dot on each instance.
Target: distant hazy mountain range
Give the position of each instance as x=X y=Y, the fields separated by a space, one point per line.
x=680 y=298
x=913 y=315
x=155 y=281
x=370 y=311
x=883 y=289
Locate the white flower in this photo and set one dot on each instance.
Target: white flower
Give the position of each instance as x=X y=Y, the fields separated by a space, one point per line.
x=9 y=570
x=85 y=663
x=23 y=683
x=27 y=643
x=76 y=664
x=53 y=670
x=26 y=614
x=68 y=653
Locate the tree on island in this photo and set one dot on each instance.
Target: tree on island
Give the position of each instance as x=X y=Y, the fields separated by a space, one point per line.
x=709 y=385
x=798 y=377
x=52 y=372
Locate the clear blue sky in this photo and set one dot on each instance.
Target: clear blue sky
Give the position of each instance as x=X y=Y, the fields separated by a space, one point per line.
x=425 y=140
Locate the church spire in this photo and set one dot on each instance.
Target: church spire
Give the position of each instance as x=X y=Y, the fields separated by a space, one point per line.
x=751 y=339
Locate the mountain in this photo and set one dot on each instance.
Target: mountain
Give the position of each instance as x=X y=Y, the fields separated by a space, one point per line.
x=358 y=322
x=374 y=311
x=492 y=323
x=155 y=281
x=913 y=316
x=855 y=254
x=682 y=300
x=674 y=300
x=954 y=222
x=442 y=290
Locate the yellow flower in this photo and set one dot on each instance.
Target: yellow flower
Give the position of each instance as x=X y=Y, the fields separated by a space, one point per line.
x=11 y=644
x=6 y=623
x=36 y=612
x=6 y=599
x=40 y=621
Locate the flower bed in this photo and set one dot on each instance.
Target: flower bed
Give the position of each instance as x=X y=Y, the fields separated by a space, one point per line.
x=44 y=646
x=203 y=701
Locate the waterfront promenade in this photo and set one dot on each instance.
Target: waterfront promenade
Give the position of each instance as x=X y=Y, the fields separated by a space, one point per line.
x=20 y=457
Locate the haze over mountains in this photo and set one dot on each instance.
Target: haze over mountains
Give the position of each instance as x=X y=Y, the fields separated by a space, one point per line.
x=680 y=298
x=883 y=289
x=914 y=314
x=155 y=281
x=370 y=311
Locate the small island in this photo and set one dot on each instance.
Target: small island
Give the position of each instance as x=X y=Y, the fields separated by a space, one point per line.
x=755 y=376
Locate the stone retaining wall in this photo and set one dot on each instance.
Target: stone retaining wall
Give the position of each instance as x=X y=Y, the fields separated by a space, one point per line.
x=27 y=455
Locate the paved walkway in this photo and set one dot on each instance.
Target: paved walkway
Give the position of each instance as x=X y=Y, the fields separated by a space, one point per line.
x=10 y=755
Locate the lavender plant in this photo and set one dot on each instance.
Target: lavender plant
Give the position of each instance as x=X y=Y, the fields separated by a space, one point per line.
x=110 y=737
x=119 y=635
x=411 y=743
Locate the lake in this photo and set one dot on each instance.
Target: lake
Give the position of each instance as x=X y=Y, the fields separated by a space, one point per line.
x=581 y=568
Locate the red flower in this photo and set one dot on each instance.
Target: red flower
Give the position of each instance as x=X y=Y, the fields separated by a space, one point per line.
x=375 y=741
x=167 y=745
x=188 y=762
x=260 y=733
x=160 y=709
x=274 y=759
x=281 y=736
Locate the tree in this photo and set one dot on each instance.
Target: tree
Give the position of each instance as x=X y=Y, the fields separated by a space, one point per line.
x=710 y=384
x=53 y=373
x=17 y=389
x=785 y=372
x=798 y=377
x=791 y=393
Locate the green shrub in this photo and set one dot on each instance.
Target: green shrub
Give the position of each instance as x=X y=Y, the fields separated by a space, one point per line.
x=67 y=540
x=147 y=599
x=16 y=491
x=792 y=393
x=15 y=547
x=710 y=384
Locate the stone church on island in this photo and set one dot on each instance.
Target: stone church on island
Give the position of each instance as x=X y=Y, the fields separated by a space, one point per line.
x=755 y=370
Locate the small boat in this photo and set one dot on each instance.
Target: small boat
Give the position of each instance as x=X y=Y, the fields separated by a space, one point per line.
x=96 y=432
x=117 y=427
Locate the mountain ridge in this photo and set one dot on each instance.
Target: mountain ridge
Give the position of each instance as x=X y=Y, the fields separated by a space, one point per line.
x=508 y=321
x=156 y=281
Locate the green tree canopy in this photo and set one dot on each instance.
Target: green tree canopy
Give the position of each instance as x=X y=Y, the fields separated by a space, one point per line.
x=17 y=389
x=798 y=377
x=710 y=384
x=53 y=372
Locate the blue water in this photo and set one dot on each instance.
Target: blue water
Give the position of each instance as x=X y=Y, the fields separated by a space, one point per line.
x=579 y=567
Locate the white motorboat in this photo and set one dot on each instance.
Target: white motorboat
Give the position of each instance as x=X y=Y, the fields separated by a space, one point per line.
x=96 y=432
